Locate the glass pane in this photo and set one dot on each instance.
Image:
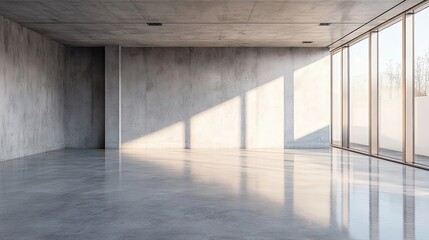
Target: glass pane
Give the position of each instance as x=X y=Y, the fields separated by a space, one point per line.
x=359 y=95
x=390 y=91
x=336 y=99
x=421 y=49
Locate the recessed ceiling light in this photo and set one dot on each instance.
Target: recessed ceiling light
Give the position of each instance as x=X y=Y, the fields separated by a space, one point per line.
x=306 y=42
x=154 y=24
x=324 y=24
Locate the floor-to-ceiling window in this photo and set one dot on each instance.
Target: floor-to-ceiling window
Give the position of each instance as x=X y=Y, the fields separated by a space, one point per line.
x=380 y=90
x=390 y=91
x=421 y=84
x=336 y=99
x=359 y=95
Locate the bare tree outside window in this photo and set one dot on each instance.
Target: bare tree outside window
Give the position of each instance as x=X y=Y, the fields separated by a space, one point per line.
x=393 y=78
x=421 y=84
x=390 y=91
x=422 y=74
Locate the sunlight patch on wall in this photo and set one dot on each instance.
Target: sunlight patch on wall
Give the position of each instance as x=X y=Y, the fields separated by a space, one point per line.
x=265 y=115
x=217 y=127
x=172 y=136
x=311 y=98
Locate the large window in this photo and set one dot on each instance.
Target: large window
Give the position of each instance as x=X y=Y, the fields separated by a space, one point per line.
x=336 y=99
x=380 y=90
x=421 y=83
x=359 y=95
x=390 y=91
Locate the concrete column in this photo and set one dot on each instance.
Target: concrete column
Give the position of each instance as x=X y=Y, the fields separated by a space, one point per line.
x=113 y=97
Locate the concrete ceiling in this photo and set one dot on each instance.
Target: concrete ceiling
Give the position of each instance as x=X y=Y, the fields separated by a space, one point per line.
x=202 y=23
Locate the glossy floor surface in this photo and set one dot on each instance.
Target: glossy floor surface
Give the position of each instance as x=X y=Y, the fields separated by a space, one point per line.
x=190 y=194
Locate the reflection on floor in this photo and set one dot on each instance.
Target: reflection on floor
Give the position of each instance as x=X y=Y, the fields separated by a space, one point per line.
x=216 y=194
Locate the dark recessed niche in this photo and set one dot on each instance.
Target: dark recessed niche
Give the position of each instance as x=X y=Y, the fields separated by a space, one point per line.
x=154 y=24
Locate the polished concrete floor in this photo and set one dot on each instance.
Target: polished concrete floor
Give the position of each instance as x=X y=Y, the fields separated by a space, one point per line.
x=196 y=194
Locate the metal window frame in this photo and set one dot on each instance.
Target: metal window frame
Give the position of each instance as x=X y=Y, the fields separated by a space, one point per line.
x=345 y=101
x=373 y=79
x=338 y=51
x=408 y=89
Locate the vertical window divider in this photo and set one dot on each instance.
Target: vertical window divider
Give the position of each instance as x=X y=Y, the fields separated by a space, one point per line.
x=331 y=135
x=408 y=88
x=337 y=100
x=373 y=82
x=342 y=98
x=346 y=97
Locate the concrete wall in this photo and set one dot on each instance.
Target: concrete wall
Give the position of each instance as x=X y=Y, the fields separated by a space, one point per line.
x=53 y=97
x=31 y=92
x=113 y=97
x=224 y=97
x=84 y=97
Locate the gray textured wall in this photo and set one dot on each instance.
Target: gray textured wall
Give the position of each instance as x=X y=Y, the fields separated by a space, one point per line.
x=112 y=97
x=84 y=97
x=224 y=97
x=52 y=97
x=31 y=92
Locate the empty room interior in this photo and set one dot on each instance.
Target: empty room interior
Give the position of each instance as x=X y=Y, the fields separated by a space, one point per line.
x=214 y=119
